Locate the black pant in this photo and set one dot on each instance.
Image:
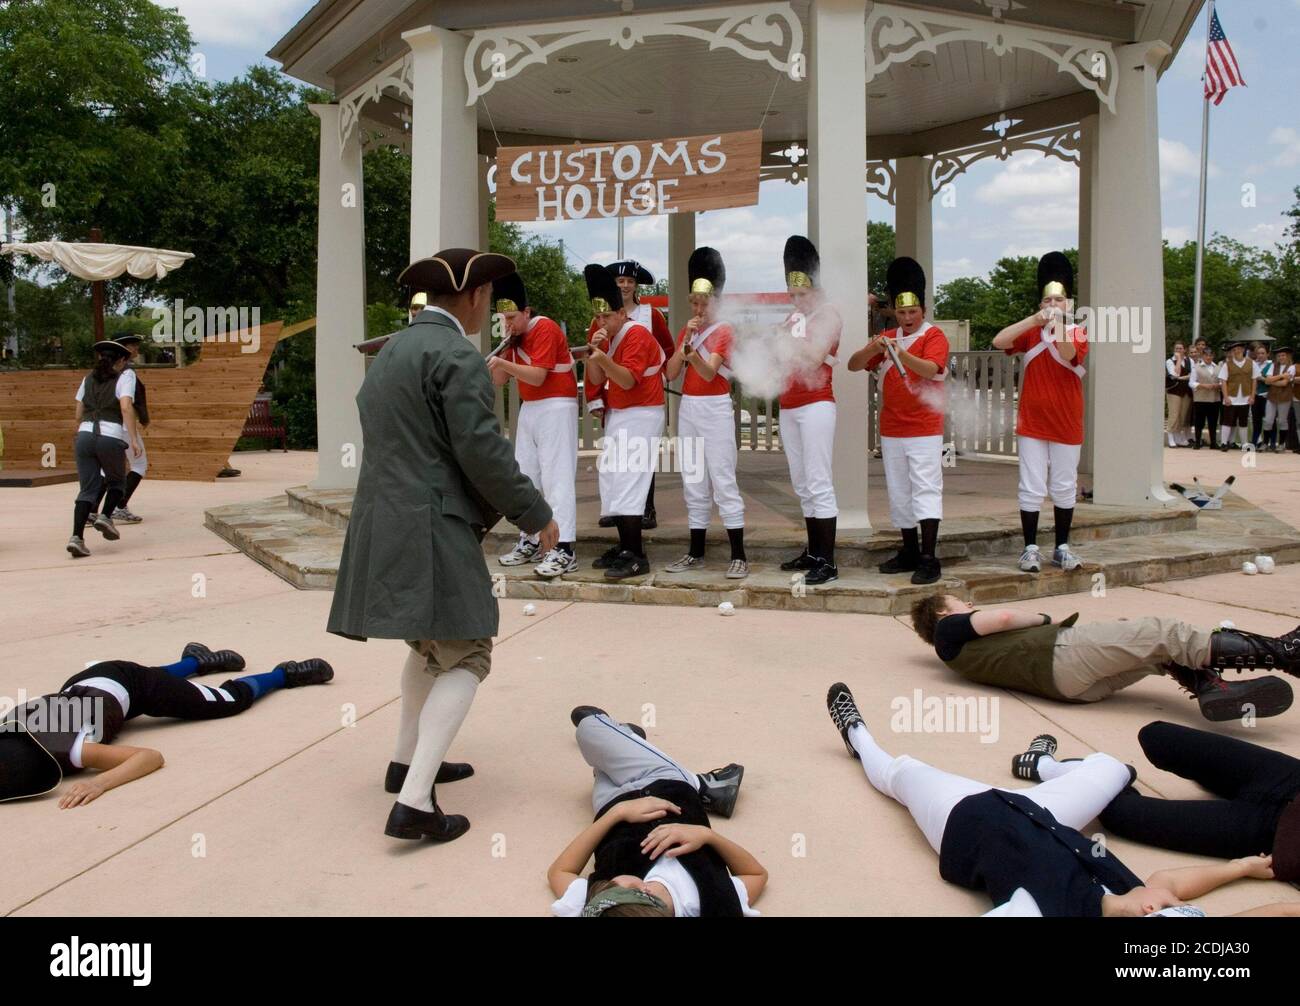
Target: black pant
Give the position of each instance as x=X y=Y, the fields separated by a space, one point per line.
x=1203 y=414
x=95 y=452
x=1252 y=783
x=154 y=692
x=1257 y=419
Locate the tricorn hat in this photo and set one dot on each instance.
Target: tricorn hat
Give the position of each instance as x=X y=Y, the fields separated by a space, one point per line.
x=630 y=267
x=455 y=270
x=129 y=338
x=602 y=289
x=1055 y=276
x=802 y=263
x=509 y=294
x=26 y=768
x=706 y=272
x=111 y=346
x=905 y=280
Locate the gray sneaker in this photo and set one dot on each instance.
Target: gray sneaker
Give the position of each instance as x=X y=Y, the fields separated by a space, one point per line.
x=77 y=547
x=104 y=525
x=1066 y=559
x=684 y=563
x=737 y=569
x=524 y=551
x=125 y=516
x=1031 y=560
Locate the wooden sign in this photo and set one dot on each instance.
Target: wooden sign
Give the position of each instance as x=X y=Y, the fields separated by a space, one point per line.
x=586 y=181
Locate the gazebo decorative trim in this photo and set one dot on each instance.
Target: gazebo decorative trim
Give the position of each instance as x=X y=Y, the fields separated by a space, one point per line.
x=396 y=75
x=770 y=33
x=897 y=34
x=1062 y=142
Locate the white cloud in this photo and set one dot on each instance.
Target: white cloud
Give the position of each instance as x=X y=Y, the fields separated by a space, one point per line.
x=1029 y=178
x=1288 y=138
x=1178 y=161
x=234 y=22
x=1177 y=235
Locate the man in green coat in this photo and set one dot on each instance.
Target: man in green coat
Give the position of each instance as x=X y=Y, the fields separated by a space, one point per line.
x=435 y=474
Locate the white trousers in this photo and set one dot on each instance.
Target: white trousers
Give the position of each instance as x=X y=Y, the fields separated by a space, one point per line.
x=1073 y=798
x=914 y=478
x=140 y=465
x=1048 y=469
x=629 y=454
x=706 y=433
x=546 y=448
x=808 y=436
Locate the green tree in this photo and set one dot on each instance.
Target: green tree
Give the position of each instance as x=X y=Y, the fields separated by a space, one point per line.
x=1234 y=289
x=880 y=252
x=555 y=288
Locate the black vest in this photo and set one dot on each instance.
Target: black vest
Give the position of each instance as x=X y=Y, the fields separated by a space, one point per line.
x=139 y=401
x=99 y=401
x=619 y=852
x=997 y=842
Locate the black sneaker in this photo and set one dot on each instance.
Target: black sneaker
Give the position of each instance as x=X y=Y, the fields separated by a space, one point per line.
x=905 y=561
x=628 y=565
x=605 y=522
x=844 y=712
x=607 y=558
x=313 y=671
x=928 y=570
x=1025 y=764
x=720 y=788
x=824 y=572
x=580 y=713
x=801 y=561
x=650 y=520
x=209 y=662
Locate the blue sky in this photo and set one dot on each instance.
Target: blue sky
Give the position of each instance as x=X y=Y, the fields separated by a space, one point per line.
x=1027 y=205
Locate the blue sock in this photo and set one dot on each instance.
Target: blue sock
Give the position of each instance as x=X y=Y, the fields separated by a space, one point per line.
x=260 y=684
x=183 y=668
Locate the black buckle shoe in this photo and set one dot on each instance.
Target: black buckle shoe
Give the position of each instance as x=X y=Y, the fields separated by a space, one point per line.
x=844 y=712
x=448 y=771
x=410 y=824
x=801 y=561
x=628 y=565
x=720 y=788
x=904 y=561
x=313 y=671
x=210 y=662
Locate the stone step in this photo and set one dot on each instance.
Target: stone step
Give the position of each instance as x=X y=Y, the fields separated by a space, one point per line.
x=960 y=538
x=304 y=550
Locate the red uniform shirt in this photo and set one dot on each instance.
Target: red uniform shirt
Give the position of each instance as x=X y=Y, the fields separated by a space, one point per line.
x=717 y=341
x=544 y=345
x=636 y=349
x=1051 y=392
x=802 y=389
x=913 y=408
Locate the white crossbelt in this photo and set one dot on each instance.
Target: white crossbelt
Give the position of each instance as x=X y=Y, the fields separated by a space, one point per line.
x=699 y=340
x=905 y=342
x=613 y=348
x=559 y=368
x=1047 y=345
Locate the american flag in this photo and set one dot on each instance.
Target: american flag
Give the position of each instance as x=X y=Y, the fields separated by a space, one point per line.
x=1222 y=73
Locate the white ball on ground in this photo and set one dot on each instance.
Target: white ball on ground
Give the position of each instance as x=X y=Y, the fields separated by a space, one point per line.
x=1265 y=563
x=1249 y=568
x=530 y=609
x=1227 y=623
x=726 y=608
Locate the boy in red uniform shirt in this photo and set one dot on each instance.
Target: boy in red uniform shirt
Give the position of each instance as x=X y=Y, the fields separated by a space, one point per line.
x=1049 y=423
x=546 y=435
x=915 y=359
x=626 y=358
x=808 y=410
x=707 y=416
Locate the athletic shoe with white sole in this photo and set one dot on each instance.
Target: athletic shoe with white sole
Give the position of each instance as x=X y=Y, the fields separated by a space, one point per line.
x=104 y=525
x=1025 y=764
x=125 y=516
x=686 y=562
x=523 y=552
x=1031 y=560
x=556 y=562
x=77 y=547
x=1066 y=559
x=844 y=713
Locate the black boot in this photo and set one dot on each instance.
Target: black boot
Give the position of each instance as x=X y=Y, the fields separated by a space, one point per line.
x=209 y=662
x=1232 y=649
x=314 y=671
x=720 y=788
x=409 y=823
x=448 y=771
x=1221 y=700
x=908 y=557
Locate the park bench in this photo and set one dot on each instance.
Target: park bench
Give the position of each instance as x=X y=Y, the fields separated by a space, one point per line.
x=260 y=423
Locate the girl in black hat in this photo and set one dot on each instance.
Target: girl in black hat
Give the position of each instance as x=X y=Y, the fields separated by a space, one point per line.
x=106 y=430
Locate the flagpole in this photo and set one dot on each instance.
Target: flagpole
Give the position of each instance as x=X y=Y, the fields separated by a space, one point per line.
x=1205 y=165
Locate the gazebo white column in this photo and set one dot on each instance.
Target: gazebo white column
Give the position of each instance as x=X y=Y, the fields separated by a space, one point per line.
x=340 y=304
x=1127 y=284
x=913 y=219
x=444 y=145
x=1083 y=283
x=837 y=153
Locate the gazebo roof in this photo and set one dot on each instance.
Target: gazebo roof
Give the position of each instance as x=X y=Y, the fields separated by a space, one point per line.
x=591 y=87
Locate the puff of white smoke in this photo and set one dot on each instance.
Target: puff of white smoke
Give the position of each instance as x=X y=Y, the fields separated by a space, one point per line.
x=766 y=357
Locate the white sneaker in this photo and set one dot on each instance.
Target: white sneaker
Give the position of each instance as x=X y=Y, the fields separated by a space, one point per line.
x=125 y=516
x=686 y=562
x=1066 y=559
x=523 y=551
x=556 y=562
x=1031 y=560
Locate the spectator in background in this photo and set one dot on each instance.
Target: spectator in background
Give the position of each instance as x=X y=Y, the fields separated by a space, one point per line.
x=1206 y=394
x=1178 y=396
x=1260 y=406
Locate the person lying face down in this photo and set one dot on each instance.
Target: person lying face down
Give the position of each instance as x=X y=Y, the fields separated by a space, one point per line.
x=1071 y=662
x=1023 y=848
x=656 y=853
x=71 y=730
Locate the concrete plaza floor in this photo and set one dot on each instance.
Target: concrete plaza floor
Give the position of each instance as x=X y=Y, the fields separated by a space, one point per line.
x=281 y=810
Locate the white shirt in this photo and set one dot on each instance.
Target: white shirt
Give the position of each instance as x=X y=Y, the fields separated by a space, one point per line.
x=1240 y=399
x=459 y=327
x=670 y=873
x=125 y=389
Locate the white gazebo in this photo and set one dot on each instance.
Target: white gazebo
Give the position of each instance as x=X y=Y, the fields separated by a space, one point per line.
x=896 y=98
